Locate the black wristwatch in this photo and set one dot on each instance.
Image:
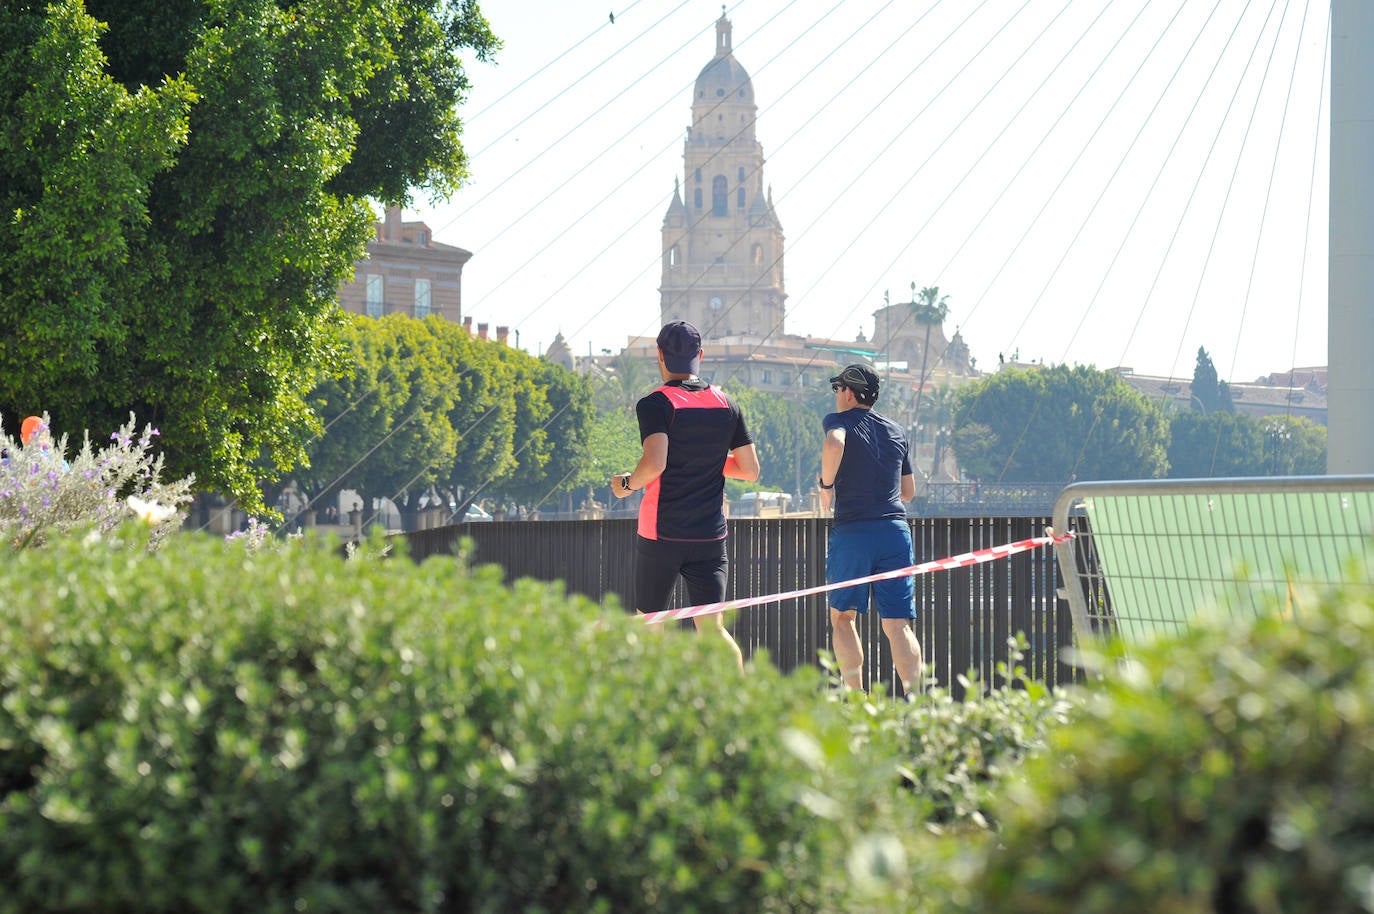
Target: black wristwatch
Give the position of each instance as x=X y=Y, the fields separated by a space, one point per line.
x=823 y=485
x=625 y=483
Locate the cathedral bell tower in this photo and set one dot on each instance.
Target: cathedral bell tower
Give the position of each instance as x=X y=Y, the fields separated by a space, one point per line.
x=722 y=242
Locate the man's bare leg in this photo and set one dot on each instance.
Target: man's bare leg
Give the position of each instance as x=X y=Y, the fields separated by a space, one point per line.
x=906 y=653
x=848 y=651
x=717 y=620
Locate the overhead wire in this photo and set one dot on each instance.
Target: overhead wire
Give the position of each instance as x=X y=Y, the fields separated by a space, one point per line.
x=1273 y=167
x=1307 y=223
x=590 y=262
x=852 y=310
x=1259 y=92
x=840 y=194
x=755 y=174
x=554 y=144
x=537 y=73
x=986 y=149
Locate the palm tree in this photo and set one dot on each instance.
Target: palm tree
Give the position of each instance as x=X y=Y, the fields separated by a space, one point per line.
x=937 y=415
x=929 y=308
x=631 y=378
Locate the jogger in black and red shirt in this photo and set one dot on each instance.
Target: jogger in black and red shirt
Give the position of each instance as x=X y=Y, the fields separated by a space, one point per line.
x=694 y=436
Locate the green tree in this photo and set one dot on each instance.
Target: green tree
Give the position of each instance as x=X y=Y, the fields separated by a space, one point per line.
x=1235 y=444
x=1203 y=445
x=176 y=251
x=483 y=413
x=553 y=418
x=388 y=418
x=1056 y=424
x=628 y=379
x=1212 y=394
x=787 y=437
x=612 y=447
x=1294 y=447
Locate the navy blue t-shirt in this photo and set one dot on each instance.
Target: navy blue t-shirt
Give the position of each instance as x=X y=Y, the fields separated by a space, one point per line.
x=868 y=485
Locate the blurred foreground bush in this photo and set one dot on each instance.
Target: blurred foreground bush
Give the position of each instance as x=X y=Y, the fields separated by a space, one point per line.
x=1227 y=772
x=207 y=729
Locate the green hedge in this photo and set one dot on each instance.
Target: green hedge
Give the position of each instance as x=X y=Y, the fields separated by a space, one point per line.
x=205 y=729
x=957 y=754
x=1230 y=771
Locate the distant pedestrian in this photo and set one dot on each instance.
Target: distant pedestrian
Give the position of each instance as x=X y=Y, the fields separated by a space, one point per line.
x=35 y=434
x=693 y=437
x=866 y=478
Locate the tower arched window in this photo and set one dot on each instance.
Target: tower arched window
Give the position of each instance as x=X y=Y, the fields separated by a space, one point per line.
x=739 y=198
x=756 y=254
x=741 y=174
x=674 y=256
x=696 y=199
x=720 y=196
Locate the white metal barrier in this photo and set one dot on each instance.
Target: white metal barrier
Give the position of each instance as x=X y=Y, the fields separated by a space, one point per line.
x=1149 y=555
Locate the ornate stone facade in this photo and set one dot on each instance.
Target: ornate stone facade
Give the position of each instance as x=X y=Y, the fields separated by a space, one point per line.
x=722 y=241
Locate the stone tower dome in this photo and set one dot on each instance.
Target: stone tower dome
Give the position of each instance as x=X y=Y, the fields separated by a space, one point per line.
x=723 y=85
x=722 y=241
x=560 y=353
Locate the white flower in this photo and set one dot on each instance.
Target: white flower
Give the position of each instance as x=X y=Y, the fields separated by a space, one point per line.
x=150 y=512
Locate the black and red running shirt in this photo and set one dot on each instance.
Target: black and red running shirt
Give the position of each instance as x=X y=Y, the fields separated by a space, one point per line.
x=703 y=426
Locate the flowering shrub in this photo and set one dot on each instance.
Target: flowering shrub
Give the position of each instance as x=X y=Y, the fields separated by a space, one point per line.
x=41 y=492
x=252 y=537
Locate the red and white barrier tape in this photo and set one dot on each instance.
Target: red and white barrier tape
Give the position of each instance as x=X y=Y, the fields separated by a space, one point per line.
x=976 y=557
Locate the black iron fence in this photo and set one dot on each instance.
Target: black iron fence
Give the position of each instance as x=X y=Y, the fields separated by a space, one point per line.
x=965 y=616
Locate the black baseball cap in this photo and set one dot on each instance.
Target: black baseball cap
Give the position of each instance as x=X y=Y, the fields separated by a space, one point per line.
x=859 y=378
x=680 y=343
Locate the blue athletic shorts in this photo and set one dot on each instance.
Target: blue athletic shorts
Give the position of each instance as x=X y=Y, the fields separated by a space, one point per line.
x=866 y=547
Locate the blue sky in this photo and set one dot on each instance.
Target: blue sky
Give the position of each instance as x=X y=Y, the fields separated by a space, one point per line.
x=1105 y=182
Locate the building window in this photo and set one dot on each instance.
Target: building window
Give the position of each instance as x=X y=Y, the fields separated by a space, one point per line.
x=674 y=256
x=741 y=174
x=697 y=198
x=767 y=376
x=422 y=237
x=698 y=175
x=375 y=294
x=720 y=190
x=422 y=298
x=739 y=198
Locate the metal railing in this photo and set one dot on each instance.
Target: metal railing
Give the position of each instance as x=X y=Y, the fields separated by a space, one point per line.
x=965 y=616
x=972 y=499
x=1149 y=555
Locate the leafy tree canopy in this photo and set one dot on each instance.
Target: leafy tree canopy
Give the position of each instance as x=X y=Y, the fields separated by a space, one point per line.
x=1057 y=424
x=1234 y=444
x=553 y=421
x=389 y=417
x=185 y=185
x=423 y=404
x=787 y=437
